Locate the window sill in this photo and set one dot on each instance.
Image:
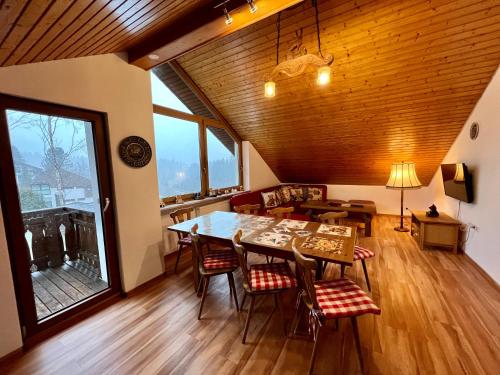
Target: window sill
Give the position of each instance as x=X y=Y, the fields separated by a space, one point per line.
x=167 y=210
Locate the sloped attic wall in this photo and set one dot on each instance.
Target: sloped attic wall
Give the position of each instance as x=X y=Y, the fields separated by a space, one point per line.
x=405 y=78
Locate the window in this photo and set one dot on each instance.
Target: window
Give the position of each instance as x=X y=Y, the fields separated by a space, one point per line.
x=222 y=152
x=193 y=153
x=164 y=97
x=177 y=155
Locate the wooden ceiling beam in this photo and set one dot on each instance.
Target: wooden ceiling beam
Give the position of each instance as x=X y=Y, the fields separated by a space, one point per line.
x=202 y=97
x=198 y=29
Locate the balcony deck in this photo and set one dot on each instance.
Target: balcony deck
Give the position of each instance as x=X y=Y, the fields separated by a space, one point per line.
x=59 y=287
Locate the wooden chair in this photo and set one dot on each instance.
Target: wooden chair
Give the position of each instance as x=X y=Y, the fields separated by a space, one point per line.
x=263 y=279
x=360 y=253
x=330 y=299
x=213 y=264
x=281 y=212
x=333 y=218
x=184 y=240
x=252 y=209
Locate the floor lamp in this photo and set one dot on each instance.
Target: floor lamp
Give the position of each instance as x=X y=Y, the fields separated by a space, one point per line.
x=403 y=177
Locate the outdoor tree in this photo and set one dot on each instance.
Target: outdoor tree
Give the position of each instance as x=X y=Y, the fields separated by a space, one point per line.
x=57 y=158
x=31 y=201
x=61 y=141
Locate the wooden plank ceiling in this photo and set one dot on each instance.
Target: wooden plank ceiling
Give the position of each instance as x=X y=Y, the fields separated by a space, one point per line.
x=406 y=77
x=43 y=30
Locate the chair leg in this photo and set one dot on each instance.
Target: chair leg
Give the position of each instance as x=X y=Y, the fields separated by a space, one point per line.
x=366 y=275
x=315 y=348
x=324 y=266
x=342 y=270
x=232 y=289
x=243 y=302
x=205 y=288
x=200 y=283
x=178 y=257
x=358 y=344
x=247 y=323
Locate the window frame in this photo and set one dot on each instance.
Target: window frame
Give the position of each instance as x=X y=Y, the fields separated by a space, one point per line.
x=203 y=123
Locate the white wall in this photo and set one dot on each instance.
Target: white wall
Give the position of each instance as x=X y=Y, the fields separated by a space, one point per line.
x=482 y=157
x=256 y=173
x=104 y=83
x=10 y=333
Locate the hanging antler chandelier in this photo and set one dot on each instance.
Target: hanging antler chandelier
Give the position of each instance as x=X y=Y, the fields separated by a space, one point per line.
x=298 y=60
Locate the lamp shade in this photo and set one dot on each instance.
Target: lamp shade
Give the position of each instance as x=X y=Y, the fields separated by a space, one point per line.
x=403 y=176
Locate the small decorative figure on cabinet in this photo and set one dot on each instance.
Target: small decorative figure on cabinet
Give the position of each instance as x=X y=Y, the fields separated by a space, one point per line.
x=433 y=212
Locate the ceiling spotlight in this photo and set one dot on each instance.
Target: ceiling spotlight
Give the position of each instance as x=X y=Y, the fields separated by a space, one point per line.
x=153 y=56
x=229 y=19
x=253 y=7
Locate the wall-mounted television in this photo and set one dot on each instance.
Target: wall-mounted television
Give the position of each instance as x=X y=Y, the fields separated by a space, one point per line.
x=457 y=181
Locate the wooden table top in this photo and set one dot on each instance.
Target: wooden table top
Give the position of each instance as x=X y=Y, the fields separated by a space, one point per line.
x=320 y=241
x=441 y=219
x=336 y=205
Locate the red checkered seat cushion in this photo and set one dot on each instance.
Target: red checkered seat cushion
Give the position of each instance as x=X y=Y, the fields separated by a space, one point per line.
x=220 y=259
x=271 y=277
x=362 y=253
x=343 y=298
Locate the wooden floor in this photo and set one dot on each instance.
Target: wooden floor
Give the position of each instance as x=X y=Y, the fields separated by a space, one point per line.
x=59 y=287
x=440 y=315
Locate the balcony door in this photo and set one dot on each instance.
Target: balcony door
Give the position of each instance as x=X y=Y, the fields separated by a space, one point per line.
x=57 y=206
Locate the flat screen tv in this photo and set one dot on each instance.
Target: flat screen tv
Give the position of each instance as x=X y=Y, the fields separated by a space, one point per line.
x=457 y=181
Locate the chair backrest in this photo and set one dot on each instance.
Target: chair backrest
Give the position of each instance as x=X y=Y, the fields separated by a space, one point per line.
x=195 y=237
x=332 y=217
x=305 y=267
x=252 y=209
x=180 y=216
x=281 y=212
x=240 y=250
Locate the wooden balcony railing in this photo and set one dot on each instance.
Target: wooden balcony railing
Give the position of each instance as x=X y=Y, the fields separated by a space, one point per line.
x=60 y=234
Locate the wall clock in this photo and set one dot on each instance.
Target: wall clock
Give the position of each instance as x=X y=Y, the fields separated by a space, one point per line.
x=474 y=130
x=135 y=151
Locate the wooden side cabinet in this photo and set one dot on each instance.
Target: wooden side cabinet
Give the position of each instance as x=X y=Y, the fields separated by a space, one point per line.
x=435 y=231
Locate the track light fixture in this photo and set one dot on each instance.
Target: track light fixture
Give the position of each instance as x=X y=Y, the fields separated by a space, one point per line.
x=253 y=7
x=229 y=19
x=227 y=16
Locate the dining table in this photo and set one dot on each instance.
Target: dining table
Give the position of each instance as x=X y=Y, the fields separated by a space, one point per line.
x=273 y=237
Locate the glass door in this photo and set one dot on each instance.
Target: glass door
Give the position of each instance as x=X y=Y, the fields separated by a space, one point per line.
x=57 y=196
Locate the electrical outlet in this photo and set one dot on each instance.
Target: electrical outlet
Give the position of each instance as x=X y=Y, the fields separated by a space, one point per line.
x=473 y=226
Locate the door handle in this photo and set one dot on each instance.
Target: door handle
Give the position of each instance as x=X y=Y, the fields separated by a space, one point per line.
x=106 y=206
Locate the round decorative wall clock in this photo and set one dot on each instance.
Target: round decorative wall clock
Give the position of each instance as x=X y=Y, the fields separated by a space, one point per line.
x=135 y=151
x=474 y=130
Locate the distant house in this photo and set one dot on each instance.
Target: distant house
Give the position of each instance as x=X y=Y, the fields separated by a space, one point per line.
x=43 y=184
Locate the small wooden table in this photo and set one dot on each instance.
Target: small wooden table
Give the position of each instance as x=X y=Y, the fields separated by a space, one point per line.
x=220 y=227
x=435 y=231
x=363 y=211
